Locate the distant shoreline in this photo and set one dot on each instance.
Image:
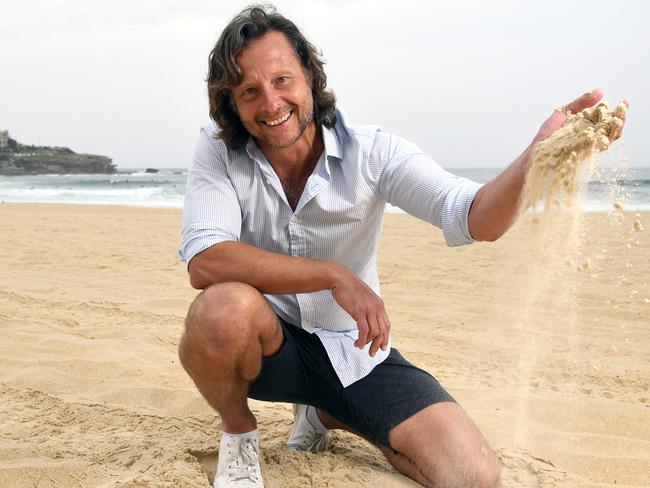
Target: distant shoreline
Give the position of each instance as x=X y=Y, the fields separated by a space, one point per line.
x=166 y=188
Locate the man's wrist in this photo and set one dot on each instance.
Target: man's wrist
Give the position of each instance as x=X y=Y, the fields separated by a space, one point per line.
x=335 y=275
x=526 y=158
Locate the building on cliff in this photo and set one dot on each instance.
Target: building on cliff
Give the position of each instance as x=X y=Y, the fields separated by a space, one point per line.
x=4 y=138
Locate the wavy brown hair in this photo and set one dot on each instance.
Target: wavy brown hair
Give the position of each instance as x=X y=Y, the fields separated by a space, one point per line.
x=224 y=74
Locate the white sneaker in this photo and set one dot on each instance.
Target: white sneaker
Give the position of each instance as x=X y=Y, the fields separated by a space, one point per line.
x=304 y=437
x=239 y=462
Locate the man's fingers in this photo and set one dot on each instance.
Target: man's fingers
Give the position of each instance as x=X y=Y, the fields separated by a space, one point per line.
x=587 y=100
x=381 y=341
x=362 y=325
x=373 y=328
x=627 y=103
x=621 y=113
x=616 y=129
x=374 y=347
x=618 y=122
x=384 y=343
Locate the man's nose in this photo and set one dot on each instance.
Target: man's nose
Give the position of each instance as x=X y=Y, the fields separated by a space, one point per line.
x=271 y=100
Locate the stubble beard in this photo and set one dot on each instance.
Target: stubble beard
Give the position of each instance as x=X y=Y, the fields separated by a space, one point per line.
x=302 y=126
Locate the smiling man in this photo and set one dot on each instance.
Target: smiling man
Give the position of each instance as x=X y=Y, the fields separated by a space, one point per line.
x=282 y=219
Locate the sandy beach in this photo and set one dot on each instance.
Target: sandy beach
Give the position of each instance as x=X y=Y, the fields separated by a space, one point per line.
x=543 y=337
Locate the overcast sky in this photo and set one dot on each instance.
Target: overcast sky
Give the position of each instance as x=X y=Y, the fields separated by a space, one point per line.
x=468 y=81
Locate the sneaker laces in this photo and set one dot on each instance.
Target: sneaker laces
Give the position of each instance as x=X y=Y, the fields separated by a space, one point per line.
x=314 y=440
x=244 y=466
x=319 y=441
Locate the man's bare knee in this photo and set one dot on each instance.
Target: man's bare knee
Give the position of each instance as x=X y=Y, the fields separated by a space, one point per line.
x=488 y=475
x=217 y=309
x=225 y=316
x=481 y=470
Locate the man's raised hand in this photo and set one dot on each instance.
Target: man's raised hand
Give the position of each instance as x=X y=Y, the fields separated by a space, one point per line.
x=559 y=116
x=366 y=308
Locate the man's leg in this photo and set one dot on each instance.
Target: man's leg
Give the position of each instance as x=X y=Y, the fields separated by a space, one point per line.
x=228 y=329
x=439 y=447
x=399 y=462
x=447 y=448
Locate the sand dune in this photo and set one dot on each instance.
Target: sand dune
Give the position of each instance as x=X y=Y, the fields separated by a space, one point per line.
x=544 y=337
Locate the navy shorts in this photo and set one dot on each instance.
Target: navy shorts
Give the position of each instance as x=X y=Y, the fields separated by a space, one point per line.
x=301 y=372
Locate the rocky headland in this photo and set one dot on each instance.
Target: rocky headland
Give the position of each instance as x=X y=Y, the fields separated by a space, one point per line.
x=19 y=159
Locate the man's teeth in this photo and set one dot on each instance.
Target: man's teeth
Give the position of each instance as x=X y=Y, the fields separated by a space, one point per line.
x=278 y=121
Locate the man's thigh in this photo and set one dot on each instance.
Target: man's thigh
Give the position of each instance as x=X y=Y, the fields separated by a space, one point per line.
x=393 y=392
x=424 y=429
x=446 y=446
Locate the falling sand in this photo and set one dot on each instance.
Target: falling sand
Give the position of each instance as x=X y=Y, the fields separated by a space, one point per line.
x=557 y=169
x=562 y=249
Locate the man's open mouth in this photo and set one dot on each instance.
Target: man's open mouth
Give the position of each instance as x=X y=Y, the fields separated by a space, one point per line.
x=279 y=120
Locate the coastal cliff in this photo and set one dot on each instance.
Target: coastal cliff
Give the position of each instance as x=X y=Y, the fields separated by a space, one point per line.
x=18 y=159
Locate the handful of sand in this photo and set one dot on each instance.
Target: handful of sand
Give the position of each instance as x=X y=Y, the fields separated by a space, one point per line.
x=557 y=170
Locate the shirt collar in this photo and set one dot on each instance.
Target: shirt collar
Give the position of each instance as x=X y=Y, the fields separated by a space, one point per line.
x=332 y=144
x=252 y=148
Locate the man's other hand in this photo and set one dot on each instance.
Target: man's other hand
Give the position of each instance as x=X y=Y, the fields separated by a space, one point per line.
x=366 y=308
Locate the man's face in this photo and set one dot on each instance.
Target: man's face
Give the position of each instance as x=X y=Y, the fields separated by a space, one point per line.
x=273 y=100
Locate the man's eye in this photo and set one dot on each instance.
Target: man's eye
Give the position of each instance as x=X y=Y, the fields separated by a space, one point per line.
x=248 y=91
x=282 y=80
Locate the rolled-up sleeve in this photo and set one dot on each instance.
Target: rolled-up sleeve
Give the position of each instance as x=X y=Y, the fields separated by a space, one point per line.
x=211 y=210
x=413 y=181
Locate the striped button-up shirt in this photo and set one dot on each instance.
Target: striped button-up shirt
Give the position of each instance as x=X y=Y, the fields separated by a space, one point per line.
x=235 y=195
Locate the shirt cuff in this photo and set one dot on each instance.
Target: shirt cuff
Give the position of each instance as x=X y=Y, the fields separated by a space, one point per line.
x=194 y=246
x=455 y=223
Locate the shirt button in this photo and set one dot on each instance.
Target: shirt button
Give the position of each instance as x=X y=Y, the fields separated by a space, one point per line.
x=294 y=219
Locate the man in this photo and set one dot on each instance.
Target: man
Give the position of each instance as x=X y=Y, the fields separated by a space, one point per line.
x=282 y=220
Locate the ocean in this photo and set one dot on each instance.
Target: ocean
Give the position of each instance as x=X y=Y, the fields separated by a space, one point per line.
x=167 y=187
x=126 y=187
